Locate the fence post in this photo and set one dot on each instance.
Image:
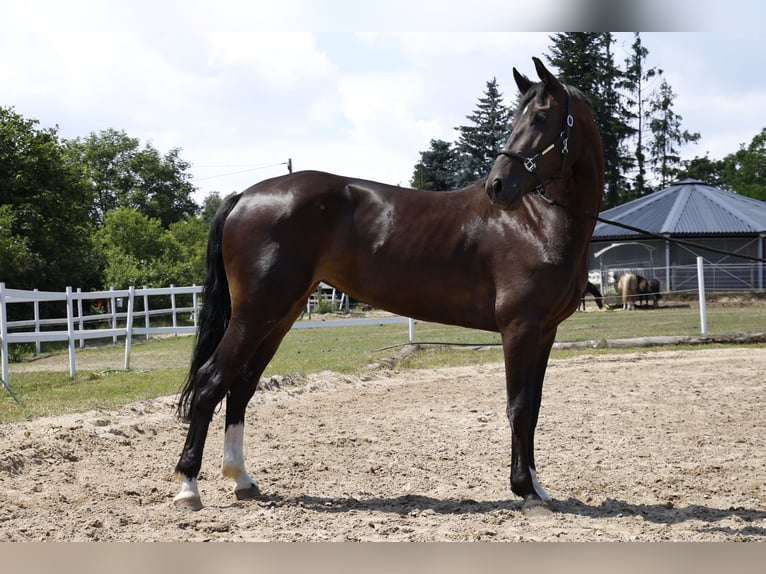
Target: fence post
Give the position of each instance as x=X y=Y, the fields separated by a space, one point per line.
x=79 y=316
x=194 y=305
x=70 y=331
x=37 y=323
x=411 y=323
x=701 y=289
x=146 y=311
x=4 y=344
x=760 y=263
x=3 y=334
x=173 y=307
x=129 y=326
x=113 y=308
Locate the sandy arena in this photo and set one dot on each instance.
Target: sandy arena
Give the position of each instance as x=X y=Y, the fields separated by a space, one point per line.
x=640 y=446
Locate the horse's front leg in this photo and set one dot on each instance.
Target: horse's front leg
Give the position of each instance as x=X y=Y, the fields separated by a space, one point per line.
x=526 y=353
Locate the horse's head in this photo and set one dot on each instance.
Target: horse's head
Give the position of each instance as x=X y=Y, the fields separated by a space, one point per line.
x=539 y=149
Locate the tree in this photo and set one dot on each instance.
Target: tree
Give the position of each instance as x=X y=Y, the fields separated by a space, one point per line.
x=745 y=170
x=137 y=250
x=637 y=77
x=122 y=174
x=437 y=167
x=704 y=169
x=17 y=260
x=210 y=206
x=665 y=125
x=191 y=237
x=163 y=186
x=479 y=142
x=49 y=213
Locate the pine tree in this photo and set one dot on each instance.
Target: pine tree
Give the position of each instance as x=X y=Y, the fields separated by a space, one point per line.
x=637 y=77
x=478 y=143
x=668 y=137
x=437 y=167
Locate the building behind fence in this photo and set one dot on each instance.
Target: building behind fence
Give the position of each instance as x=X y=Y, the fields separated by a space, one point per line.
x=692 y=211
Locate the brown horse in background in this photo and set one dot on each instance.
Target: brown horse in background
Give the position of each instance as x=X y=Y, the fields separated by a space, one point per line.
x=513 y=263
x=648 y=288
x=627 y=287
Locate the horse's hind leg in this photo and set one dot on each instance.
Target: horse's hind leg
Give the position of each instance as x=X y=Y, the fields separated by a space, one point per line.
x=215 y=378
x=233 y=465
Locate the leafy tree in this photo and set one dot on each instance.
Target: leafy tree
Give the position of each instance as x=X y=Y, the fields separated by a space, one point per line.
x=49 y=208
x=210 y=205
x=704 y=169
x=191 y=237
x=122 y=174
x=745 y=170
x=479 y=142
x=668 y=136
x=163 y=186
x=137 y=250
x=437 y=167
x=17 y=260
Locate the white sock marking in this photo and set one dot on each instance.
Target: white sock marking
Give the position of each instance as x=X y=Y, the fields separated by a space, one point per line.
x=233 y=465
x=544 y=496
x=189 y=488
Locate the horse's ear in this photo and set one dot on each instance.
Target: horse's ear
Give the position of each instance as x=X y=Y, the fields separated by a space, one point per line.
x=522 y=81
x=550 y=81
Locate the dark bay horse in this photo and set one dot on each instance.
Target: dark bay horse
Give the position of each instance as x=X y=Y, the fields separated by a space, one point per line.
x=648 y=288
x=513 y=263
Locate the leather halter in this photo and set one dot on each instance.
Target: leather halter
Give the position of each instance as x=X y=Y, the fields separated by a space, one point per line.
x=530 y=163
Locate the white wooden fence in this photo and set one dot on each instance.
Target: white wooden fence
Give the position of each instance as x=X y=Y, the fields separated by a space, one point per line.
x=73 y=326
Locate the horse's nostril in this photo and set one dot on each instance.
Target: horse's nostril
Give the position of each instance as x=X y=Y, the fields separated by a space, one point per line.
x=497 y=186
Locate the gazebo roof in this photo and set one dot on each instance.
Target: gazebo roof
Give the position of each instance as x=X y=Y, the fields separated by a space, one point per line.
x=687 y=208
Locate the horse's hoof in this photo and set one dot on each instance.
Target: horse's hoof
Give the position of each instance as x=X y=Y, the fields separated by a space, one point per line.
x=248 y=493
x=192 y=503
x=535 y=507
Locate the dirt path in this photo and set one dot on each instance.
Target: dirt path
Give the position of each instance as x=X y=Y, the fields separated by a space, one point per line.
x=638 y=446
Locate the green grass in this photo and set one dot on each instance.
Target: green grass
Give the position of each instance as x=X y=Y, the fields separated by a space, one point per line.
x=344 y=350
x=48 y=393
x=679 y=320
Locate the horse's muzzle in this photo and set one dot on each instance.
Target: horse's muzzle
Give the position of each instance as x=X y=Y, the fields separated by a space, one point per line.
x=500 y=195
x=494 y=188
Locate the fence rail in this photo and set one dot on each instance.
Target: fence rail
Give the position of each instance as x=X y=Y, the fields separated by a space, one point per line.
x=122 y=324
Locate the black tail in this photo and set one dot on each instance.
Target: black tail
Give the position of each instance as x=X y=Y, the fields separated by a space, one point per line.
x=216 y=307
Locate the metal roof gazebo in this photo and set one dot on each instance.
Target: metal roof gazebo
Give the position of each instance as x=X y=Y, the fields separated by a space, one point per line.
x=693 y=211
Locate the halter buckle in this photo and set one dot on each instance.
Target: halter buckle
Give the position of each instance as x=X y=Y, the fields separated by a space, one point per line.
x=529 y=164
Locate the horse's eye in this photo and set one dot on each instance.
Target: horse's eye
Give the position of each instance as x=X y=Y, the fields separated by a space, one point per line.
x=539 y=117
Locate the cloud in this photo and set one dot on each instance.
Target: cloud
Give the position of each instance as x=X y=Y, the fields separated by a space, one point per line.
x=283 y=60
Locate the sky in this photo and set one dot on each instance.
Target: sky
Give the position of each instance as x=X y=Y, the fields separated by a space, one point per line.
x=241 y=86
